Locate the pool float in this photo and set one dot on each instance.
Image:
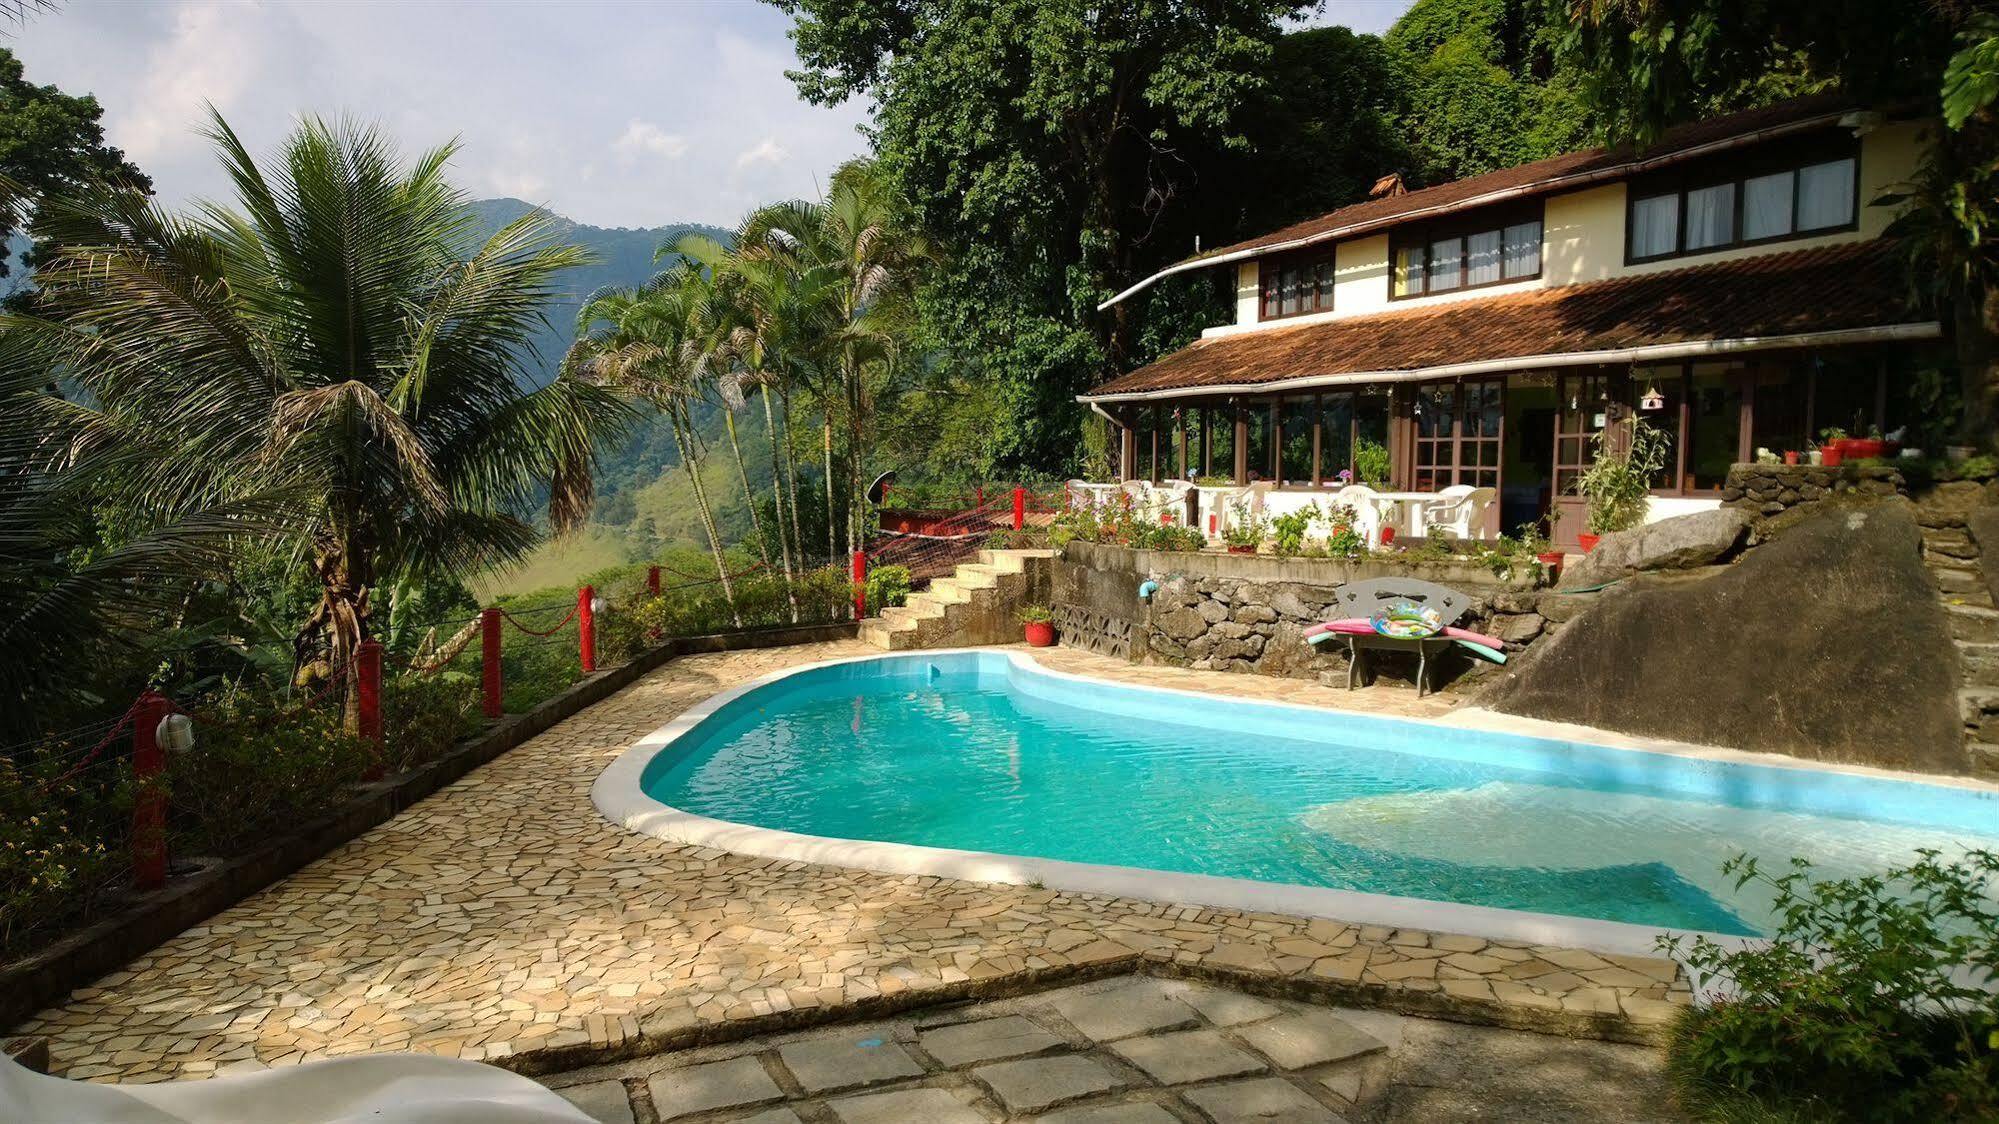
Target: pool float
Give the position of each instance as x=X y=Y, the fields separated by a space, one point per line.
x=1487 y=651
x=1350 y=626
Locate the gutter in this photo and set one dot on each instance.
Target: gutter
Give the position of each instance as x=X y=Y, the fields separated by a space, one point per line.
x=1539 y=187
x=1926 y=330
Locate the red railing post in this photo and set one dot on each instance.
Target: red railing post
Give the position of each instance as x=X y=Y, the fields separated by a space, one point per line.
x=860 y=584
x=368 y=661
x=586 y=628
x=979 y=496
x=149 y=811
x=489 y=658
x=652 y=581
x=1019 y=508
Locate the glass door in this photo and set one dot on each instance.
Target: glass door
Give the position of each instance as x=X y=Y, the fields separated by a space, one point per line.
x=1581 y=411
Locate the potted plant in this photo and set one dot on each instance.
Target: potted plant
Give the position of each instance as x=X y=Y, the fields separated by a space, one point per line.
x=1287 y=531
x=1246 y=529
x=1618 y=483
x=1832 y=446
x=1038 y=625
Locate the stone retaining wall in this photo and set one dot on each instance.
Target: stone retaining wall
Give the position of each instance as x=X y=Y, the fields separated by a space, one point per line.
x=1771 y=489
x=1248 y=613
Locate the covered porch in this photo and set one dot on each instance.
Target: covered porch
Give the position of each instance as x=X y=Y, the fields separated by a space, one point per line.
x=1472 y=405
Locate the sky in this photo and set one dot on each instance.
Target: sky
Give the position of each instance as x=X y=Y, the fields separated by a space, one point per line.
x=611 y=113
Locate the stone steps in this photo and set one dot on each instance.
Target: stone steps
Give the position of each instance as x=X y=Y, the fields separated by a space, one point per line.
x=1974 y=624
x=964 y=607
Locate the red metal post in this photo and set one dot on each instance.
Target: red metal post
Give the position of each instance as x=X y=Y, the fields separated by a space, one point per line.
x=860 y=584
x=1211 y=524
x=489 y=658
x=369 y=664
x=1019 y=508
x=149 y=811
x=979 y=497
x=652 y=580
x=586 y=627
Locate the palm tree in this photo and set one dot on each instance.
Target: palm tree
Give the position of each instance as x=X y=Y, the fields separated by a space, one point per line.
x=340 y=332
x=652 y=342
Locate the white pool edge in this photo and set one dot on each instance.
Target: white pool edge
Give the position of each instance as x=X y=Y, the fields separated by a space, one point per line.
x=619 y=797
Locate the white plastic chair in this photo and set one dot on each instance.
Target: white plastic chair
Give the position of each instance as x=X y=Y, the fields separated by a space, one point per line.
x=1366 y=511
x=1459 y=511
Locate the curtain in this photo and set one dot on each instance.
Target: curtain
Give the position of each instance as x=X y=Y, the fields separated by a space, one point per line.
x=1825 y=195
x=1766 y=206
x=1482 y=258
x=1711 y=216
x=1655 y=226
x=1444 y=257
x=1523 y=250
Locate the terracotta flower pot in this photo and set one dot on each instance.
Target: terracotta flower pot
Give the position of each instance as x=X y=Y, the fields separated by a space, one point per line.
x=1234 y=549
x=1861 y=448
x=1551 y=559
x=1790 y=456
x=1040 y=634
x=1831 y=456
x=1588 y=541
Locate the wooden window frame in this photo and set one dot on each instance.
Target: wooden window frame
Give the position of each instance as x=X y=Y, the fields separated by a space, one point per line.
x=1269 y=278
x=1739 y=170
x=1486 y=221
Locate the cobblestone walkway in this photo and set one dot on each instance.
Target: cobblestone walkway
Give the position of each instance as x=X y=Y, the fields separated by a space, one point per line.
x=1135 y=1050
x=503 y=919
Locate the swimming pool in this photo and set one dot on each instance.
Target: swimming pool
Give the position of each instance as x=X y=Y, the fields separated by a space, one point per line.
x=984 y=764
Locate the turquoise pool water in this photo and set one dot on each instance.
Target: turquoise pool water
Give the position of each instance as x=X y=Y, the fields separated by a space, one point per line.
x=969 y=751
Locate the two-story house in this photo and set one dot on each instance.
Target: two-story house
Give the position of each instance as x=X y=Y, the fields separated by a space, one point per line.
x=1729 y=284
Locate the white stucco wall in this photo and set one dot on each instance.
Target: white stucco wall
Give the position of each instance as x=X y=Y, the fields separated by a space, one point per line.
x=1582 y=240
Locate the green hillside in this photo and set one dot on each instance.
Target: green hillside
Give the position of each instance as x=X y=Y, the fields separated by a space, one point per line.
x=645 y=504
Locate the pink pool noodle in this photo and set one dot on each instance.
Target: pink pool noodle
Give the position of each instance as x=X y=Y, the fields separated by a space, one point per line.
x=1361 y=626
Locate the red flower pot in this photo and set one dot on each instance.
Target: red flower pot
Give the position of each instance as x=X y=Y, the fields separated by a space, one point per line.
x=1861 y=448
x=1829 y=454
x=1040 y=634
x=1588 y=542
x=1234 y=549
x=1790 y=456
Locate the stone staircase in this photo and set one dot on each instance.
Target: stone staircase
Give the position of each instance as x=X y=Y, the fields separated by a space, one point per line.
x=975 y=605
x=1953 y=559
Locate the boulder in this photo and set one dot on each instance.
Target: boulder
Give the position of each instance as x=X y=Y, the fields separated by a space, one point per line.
x=1679 y=543
x=1517 y=628
x=1983 y=523
x=1180 y=624
x=1826 y=642
x=1214 y=612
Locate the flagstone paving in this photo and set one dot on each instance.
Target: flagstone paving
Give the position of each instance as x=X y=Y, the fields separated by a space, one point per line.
x=1074 y=1056
x=503 y=919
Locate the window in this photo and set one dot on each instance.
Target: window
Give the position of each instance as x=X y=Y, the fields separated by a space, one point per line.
x=1486 y=250
x=1787 y=191
x=1655 y=226
x=1295 y=459
x=1296 y=285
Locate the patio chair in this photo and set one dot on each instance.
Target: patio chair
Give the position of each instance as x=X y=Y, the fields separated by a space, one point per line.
x=1361 y=599
x=1458 y=510
x=1366 y=511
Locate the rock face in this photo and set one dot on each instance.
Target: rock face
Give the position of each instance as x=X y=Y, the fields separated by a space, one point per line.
x=1670 y=544
x=1827 y=642
x=1983 y=525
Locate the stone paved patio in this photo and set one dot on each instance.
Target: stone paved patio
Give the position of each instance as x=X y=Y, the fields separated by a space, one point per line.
x=1134 y=1050
x=503 y=919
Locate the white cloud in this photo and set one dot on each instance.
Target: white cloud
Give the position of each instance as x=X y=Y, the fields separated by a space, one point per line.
x=643 y=138
x=561 y=104
x=767 y=151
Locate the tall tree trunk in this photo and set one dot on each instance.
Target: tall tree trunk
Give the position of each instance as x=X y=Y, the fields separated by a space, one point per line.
x=784 y=536
x=743 y=474
x=826 y=444
x=850 y=376
x=1977 y=332
x=791 y=475
x=342 y=618
x=684 y=443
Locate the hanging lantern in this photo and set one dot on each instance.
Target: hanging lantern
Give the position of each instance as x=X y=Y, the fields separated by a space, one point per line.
x=598 y=605
x=175 y=733
x=1652 y=399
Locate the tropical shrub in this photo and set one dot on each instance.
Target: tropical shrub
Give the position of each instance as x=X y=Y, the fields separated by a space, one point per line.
x=1171 y=537
x=1287 y=531
x=63 y=833
x=1618 y=482
x=1872 y=1000
x=1246 y=527
x=887 y=586
x=1371 y=463
x=424 y=716
x=260 y=765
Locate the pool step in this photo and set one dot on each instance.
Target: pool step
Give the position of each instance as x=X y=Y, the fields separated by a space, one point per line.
x=975 y=605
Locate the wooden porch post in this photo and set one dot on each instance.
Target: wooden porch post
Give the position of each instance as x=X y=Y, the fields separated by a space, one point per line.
x=1127 y=449
x=1241 y=446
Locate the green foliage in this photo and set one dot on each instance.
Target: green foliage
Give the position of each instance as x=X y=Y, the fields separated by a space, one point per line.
x=1170 y=537
x=1971 y=78
x=260 y=765
x=424 y=716
x=1034 y=614
x=50 y=144
x=1618 y=482
x=1371 y=463
x=63 y=843
x=1482 y=90
x=1870 y=1002
x=887 y=586
x=1245 y=527
x=1287 y=531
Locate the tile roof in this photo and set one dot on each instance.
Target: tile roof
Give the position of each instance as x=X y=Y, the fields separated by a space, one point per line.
x=1551 y=174
x=1830 y=288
